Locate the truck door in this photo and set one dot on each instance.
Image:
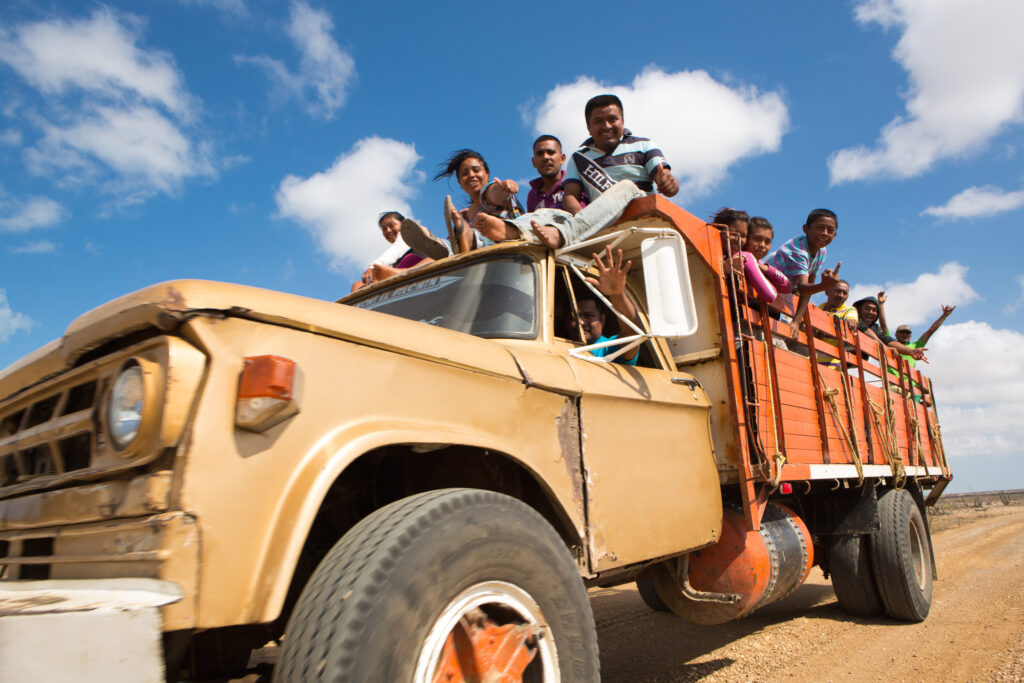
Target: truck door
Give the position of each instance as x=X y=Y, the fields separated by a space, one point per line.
x=652 y=487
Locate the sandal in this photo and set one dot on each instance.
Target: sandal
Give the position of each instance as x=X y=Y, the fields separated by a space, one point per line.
x=454 y=227
x=422 y=241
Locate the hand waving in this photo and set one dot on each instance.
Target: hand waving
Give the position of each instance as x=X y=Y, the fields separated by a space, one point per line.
x=611 y=280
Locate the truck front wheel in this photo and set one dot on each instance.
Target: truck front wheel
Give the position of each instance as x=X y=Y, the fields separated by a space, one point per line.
x=901 y=556
x=456 y=584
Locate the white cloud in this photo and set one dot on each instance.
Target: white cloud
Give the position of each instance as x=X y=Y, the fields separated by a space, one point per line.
x=36 y=212
x=1014 y=306
x=340 y=206
x=702 y=125
x=11 y=322
x=116 y=114
x=146 y=151
x=921 y=301
x=975 y=202
x=10 y=137
x=37 y=247
x=978 y=372
x=325 y=69
x=965 y=64
x=97 y=55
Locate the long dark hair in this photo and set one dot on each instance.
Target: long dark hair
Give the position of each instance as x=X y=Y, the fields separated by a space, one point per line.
x=450 y=166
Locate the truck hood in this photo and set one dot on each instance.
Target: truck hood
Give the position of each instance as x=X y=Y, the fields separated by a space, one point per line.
x=167 y=305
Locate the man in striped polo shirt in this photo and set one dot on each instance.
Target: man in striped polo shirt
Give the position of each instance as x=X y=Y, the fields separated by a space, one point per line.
x=612 y=153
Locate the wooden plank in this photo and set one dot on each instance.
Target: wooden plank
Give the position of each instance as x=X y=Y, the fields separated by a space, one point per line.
x=812 y=443
x=913 y=457
x=779 y=433
x=862 y=387
x=819 y=398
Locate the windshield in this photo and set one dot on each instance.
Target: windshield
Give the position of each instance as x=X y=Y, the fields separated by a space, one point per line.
x=494 y=298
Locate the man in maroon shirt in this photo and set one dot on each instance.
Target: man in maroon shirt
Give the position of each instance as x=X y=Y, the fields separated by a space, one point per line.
x=546 y=191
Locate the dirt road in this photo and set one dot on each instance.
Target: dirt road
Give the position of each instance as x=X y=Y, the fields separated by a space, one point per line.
x=975 y=631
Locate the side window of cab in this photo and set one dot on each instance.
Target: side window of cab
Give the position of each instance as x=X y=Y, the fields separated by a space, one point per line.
x=574 y=317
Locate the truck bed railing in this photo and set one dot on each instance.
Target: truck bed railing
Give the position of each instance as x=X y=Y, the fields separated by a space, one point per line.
x=792 y=417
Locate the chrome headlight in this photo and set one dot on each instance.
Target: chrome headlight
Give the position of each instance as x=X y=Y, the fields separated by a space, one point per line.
x=125 y=406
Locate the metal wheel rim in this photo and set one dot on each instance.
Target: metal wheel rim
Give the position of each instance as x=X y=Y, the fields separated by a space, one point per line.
x=503 y=594
x=917 y=554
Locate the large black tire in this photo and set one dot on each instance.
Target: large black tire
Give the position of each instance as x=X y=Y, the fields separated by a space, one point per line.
x=649 y=594
x=849 y=563
x=377 y=600
x=901 y=557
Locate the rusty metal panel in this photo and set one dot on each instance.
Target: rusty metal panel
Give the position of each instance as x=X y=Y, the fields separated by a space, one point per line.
x=652 y=484
x=142 y=495
x=165 y=547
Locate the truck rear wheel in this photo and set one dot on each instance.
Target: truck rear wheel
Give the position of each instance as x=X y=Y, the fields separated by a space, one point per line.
x=849 y=564
x=901 y=556
x=649 y=594
x=442 y=585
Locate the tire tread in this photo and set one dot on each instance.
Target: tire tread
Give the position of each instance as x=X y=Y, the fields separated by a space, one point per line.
x=331 y=623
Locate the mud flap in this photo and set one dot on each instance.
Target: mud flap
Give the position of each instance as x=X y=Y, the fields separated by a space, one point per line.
x=83 y=630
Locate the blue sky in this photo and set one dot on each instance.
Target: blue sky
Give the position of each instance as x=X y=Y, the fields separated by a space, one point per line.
x=256 y=142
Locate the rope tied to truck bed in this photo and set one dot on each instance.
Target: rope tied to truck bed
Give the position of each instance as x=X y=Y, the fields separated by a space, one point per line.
x=778 y=457
x=936 y=433
x=899 y=472
x=887 y=436
x=830 y=398
x=916 y=426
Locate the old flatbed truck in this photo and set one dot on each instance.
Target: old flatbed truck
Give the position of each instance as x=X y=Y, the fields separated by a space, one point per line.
x=420 y=483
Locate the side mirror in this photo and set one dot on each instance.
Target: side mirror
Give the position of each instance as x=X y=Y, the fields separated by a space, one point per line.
x=670 y=306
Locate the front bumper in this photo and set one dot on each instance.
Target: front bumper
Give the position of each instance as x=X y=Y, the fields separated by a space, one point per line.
x=84 y=630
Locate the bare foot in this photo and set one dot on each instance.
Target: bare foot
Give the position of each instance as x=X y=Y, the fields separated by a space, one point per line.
x=380 y=272
x=493 y=228
x=547 y=235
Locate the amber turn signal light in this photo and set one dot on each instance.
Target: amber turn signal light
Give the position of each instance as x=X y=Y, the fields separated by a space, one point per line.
x=267 y=392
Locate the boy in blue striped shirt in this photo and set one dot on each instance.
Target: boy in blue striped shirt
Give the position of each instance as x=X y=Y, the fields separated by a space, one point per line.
x=800 y=259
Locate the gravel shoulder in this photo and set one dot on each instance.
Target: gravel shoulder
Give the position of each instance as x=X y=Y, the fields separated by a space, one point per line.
x=975 y=631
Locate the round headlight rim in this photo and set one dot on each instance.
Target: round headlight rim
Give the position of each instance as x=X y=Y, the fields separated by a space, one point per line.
x=127 y=366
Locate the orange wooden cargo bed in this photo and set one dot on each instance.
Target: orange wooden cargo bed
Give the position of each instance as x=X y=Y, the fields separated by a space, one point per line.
x=794 y=420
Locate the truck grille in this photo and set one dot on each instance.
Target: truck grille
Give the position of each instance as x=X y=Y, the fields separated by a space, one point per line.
x=51 y=436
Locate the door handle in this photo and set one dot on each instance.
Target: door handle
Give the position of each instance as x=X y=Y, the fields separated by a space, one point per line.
x=688 y=381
